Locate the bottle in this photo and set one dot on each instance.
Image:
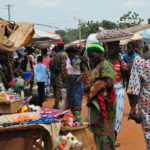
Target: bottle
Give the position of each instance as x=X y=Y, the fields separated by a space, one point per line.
x=22 y=93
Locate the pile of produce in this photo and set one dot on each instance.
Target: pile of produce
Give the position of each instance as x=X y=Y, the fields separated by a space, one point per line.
x=113 y=34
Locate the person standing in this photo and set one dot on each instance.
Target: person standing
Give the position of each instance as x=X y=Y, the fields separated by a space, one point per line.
x=121 y=69
x=59 y=71
x=46 y=62
x=139 y=87
x=129 y=58
x=75 y=73
x=40 y=76
x=101 y=98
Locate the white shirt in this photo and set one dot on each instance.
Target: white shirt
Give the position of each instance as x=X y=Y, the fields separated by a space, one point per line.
x=72 y=70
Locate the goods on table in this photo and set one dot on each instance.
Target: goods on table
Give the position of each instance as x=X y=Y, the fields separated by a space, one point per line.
x=72 y=121
x=53 y=113
x=47 y=116
x=68 y=142
x=112 y=35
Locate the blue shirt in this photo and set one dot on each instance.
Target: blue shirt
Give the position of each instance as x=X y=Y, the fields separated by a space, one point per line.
x=128 y=59
x=40 y=72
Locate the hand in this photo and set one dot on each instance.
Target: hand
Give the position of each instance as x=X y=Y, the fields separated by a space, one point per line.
x=86 y=88
x=78 y=80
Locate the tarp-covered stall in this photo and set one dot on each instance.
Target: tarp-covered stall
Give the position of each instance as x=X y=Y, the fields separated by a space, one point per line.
x=41 y=35
x=14 y=35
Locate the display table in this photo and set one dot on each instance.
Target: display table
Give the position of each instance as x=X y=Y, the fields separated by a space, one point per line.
x=79 y=133
x=10 y=106
x=31 y=137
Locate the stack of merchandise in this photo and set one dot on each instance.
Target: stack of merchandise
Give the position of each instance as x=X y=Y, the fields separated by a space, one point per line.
x=72 y=121
x=69 y=142
x=113 y=35
x=53 y=113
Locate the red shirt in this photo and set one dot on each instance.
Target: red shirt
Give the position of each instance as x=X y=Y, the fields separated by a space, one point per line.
x=118 y=70
x=46 y=61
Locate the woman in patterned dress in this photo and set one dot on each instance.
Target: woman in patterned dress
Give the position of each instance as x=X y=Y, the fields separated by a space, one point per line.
x=139 y=87
x=120 y=68
x=102 y=96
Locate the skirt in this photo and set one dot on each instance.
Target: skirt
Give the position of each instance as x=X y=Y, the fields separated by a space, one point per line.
x=120 y=104
x=47 y=83
x=74 y=91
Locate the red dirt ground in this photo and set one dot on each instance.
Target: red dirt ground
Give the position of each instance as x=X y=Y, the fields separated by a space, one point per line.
x=131 y=136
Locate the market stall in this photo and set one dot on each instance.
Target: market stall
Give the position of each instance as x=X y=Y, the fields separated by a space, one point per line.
x=30 y=130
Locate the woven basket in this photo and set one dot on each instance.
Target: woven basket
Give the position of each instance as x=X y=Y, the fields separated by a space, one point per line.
x=68 y=128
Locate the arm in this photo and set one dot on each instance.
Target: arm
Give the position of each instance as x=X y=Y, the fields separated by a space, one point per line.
x=82 y=73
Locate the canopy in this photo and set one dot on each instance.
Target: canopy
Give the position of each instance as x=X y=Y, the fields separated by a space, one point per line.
x=136 y=37
x=46 y=35
x=14 y=35
x=138 y=28
x=146 y=36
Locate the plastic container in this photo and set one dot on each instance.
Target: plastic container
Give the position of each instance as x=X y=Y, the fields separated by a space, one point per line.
x=27 y=75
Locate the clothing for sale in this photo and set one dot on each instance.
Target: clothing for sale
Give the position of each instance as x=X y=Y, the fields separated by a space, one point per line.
x=139 y=84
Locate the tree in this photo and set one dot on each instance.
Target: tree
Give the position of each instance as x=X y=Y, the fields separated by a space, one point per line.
x=130 y=19
x=106 y=24
x=61 y=32
x=66 y=39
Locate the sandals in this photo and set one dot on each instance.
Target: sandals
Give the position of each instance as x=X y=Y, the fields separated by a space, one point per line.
x=117 y=144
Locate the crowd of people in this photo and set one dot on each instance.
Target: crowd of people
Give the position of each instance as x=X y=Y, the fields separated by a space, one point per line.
x=109 y=72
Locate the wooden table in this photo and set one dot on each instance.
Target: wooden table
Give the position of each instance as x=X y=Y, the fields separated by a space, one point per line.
x=28 y=137
x=10 y=106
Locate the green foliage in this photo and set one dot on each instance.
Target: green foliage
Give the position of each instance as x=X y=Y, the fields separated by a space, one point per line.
x=106 y=24
x=127 y=20
x=130 y=19
x=67 y=39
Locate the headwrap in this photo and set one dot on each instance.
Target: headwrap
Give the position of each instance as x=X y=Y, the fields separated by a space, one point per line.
x=95 y=47
x=60 y=43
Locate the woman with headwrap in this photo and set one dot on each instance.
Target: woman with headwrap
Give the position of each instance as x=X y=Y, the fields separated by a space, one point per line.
x=75 y=72
x=121 y=69
x=101 y=98
x=139 y=88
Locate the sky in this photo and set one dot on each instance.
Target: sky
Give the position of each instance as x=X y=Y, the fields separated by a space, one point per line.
x=64 y=14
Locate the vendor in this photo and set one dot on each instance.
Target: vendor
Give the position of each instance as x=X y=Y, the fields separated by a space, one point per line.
x=101 y=98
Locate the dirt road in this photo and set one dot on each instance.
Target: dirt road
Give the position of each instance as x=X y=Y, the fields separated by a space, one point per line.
x=131 y=136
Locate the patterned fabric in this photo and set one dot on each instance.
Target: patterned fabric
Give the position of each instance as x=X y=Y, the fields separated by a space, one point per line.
x=120 y=104
x=47 y=83
x=74 y=91
x=128 y=59
x=118 y=70
x=95 y=47
x=139 y=84
x=104 y=142
x=104 y=69
x=103 y=130
x=75 y=62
